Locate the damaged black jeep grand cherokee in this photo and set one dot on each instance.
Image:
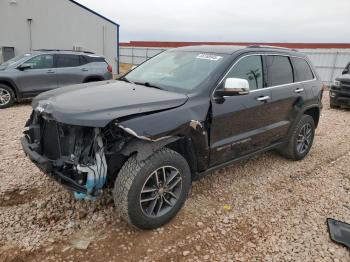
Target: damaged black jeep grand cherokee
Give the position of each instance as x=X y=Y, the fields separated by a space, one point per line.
x=176 y=117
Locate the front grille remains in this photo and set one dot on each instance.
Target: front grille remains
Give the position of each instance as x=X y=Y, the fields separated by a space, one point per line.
x=60 y=140
x=345 y=85
x=50 y=140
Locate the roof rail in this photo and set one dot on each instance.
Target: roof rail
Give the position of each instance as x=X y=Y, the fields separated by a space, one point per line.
x=271 y=46
x=65 y=50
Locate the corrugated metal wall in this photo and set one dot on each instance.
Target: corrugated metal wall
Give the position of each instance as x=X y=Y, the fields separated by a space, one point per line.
x=137 y=55
x=328 y=62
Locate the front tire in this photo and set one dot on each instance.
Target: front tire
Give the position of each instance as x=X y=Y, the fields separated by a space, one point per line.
x=300 y=139
x=149 y=193
x=7 y=96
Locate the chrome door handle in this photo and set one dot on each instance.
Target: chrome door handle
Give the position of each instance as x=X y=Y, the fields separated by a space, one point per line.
x=84 y=69
x=50 y=71
x=299 y=90
x=263 y=98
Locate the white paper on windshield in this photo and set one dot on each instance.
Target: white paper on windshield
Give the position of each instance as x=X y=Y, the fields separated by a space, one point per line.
x=209 y=57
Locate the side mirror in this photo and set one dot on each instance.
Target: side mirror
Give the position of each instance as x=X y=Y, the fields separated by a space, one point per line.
x=24 y=66
x=345 y=71
x=234 y=87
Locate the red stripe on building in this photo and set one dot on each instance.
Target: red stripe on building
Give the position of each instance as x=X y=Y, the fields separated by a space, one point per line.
x=287 y=45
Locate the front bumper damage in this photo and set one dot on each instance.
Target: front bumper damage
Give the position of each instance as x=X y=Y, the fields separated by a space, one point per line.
x=73 y=156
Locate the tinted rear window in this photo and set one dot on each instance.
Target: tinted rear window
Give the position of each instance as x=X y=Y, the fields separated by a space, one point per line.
x=94 y=59
x=85 y=59
x=280 y=70
x=67 y=60
x=302 y=70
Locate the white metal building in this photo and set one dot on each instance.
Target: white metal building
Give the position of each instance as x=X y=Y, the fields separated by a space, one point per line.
x=57 y=24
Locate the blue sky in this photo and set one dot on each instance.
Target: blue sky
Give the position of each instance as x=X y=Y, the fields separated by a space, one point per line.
x=229 y=20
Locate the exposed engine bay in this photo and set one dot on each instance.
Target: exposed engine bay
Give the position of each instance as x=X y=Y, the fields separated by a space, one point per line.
x=76 y=156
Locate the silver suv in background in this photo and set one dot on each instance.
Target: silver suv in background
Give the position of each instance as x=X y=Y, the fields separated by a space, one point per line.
x=27 y=75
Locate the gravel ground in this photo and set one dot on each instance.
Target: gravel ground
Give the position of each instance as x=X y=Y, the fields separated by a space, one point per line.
x=267 y=208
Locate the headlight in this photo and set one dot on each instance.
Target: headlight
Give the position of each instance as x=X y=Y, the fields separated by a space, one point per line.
x=337 y=83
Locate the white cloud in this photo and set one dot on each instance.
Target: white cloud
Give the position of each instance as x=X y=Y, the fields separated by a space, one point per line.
x=229 y=20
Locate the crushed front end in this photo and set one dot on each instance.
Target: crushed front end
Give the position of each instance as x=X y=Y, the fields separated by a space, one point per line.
x=72 y=155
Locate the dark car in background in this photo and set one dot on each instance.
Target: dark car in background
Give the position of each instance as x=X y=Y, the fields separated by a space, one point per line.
x=28 y=75
x=178 y=116
x=340 y=90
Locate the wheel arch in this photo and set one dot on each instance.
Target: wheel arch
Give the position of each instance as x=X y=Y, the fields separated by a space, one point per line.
x=314 y=112
x=92 y=78
x=144 y=149
x=12 y=85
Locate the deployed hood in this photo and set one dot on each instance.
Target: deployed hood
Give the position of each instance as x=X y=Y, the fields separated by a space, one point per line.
x=96 y=104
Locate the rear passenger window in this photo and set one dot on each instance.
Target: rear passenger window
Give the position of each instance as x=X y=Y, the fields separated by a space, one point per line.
x=279 y=69
x=249 y=68
x=67 y=60
x=302 y=70
x=92 y=58
x=83 y=60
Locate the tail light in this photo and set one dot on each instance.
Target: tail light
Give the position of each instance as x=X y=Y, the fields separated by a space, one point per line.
x=109 y=68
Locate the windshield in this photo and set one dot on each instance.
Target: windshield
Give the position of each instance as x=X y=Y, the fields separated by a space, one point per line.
x=176 y=71
x=12 y=61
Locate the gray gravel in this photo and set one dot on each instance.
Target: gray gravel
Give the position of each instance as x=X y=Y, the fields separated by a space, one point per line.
x=267 y=208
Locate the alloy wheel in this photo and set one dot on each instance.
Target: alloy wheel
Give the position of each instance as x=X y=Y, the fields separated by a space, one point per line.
x=304 y=138
x=161 y=191
x=5 y=97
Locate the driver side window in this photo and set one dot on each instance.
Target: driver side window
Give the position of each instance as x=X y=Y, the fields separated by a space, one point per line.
x=249 y=68
x=40 y=62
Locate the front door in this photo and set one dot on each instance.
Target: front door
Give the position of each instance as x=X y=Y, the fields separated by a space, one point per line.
x=242 y=124
x=40 y=76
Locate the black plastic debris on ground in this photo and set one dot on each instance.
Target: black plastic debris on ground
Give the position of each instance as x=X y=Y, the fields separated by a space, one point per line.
x=339 y=231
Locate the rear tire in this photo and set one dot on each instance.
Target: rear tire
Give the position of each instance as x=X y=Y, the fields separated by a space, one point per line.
x=142 y=191
x=300 y=140
x=7 y=96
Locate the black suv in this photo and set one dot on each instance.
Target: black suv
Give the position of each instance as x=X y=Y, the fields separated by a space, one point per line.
x=171 y=120
x=340 y=90
x=27 y=75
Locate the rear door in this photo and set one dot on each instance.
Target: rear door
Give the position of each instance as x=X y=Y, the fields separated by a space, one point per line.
x=41 y=76
x=69 y=69
x=305 y=79
x=242 y=124
x=288 y=93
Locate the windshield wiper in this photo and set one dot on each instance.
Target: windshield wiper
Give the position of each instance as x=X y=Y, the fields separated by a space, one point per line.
x=149 y=85
x=126 y=80
x=140 y=83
